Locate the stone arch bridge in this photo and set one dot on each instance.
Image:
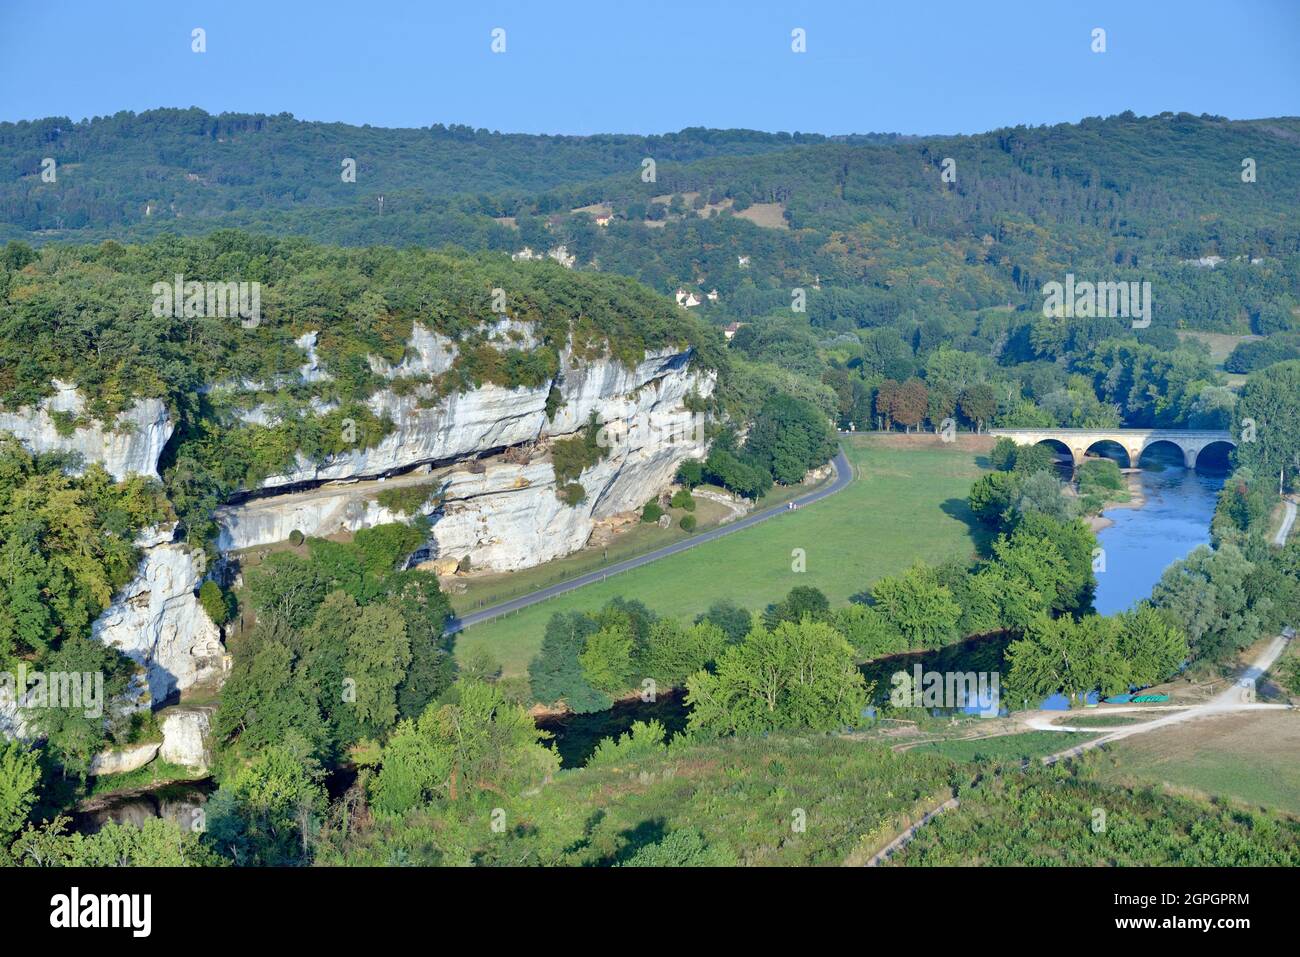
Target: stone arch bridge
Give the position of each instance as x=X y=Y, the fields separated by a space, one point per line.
x=1079 y=442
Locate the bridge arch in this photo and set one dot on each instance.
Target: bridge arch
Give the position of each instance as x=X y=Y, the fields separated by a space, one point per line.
x=1135 y=442
x=1216 y=455
x=1111 y=449
x=1168 y=447
x=1060 y=448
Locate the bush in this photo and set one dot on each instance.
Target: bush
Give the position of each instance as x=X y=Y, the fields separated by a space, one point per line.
x=405 y=500
x=651 y=512
x=465 y=565
x=688 y=523
x=683 y=499
x=1100 y=475
x=295 y=538
x=572 y=494
x=1003 y=456
x=214 y=603
x=571 y=456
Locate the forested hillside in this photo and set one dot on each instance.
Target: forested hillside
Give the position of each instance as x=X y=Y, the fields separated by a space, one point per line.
x=171 y=164
x=871 y=220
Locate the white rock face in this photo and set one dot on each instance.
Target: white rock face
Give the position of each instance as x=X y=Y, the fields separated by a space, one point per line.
x=427 y=353
x=491 y=417
x=129 y=446
x=508 y=516
x=505 y=517
x=310 y=371
x=185 y=737
x=157 y=621
x=121 y=760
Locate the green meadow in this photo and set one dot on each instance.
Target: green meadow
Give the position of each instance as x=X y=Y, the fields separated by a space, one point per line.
x=907 y=502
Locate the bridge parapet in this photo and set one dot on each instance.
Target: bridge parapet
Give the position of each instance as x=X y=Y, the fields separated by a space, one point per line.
x=1191 y=442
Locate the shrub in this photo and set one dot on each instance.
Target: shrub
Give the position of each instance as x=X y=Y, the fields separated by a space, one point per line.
x=65 y=423
x=1100 y=474
x=407 y=500
x=465 y=565
x=570 y=456
x=688 y=523
x=651 y=512
x=572 y=494
x=683 y=499
x=1003 y=456
x=295 y=538
x=214 y=603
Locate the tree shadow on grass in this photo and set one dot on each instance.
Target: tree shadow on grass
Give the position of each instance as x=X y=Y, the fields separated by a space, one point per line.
x=648 y=832
x=959 y=508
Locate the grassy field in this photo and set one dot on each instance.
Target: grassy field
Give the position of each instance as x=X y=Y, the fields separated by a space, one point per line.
x=1246 y=758
x=907 y=502
x=779 y=801
x=1104 y=720
x=1221 y=343
x=1005 y=747
x=482 y=591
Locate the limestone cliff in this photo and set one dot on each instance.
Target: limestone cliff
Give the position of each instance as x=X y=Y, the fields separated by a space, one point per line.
x=157 y=621
x=130 y=445
x=504 y=514
x=502 y=510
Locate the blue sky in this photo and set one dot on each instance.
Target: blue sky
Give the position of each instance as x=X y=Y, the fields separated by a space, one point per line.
x=648 y=66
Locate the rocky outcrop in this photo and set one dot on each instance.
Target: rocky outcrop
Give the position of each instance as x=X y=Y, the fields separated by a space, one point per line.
x=122 y=760
x=157 y=621
x=463 y=424
x=130 y=445
x=13 y=723
x=505 y=515
x=186 y=737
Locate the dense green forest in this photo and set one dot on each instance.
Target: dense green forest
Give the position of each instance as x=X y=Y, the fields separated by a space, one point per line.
x=1129 y=195
x=175 y=164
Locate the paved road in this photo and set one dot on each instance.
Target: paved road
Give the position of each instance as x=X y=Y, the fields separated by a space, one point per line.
x=843 y=475
x=1237 y=697
x=1287 y=522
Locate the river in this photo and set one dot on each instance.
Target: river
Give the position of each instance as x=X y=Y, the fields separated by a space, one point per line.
x=1141 y=543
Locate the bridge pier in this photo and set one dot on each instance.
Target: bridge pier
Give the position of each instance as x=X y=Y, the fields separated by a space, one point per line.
x=1189 y=458
x=1134 y=457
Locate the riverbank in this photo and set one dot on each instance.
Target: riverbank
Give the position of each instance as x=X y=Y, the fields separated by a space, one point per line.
x=1136 y=499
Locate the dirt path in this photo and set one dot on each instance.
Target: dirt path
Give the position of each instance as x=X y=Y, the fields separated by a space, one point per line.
x=899 y=842
x=1238 y=696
